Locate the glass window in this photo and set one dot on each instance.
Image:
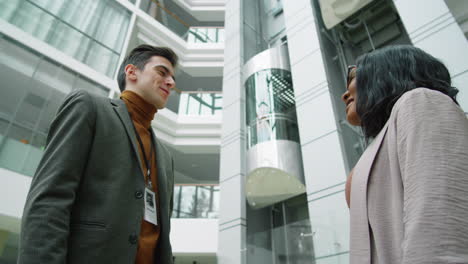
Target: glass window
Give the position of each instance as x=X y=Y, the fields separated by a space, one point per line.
x=200 y=103
x=53 y=75
x=30 y=98
x=53 y=6
x=15 y=57
x=164 y=16
x=10 y=241
x=220 y=37
x=188 y=203
x=15 y=147
x=196 y=201
x=271 y=108
x=8 y=8
x=69 y=41
x=112 y=21
x=102 y=59
x=203 y=201
x=205 y=35
x=213 y=213
x=84 y=84
x=176 y=203
x=90 y=31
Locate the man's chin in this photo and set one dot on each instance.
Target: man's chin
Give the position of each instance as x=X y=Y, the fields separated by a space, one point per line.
x=160 y=105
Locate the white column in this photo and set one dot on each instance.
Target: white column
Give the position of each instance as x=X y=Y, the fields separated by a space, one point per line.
x=324 y=167
x=432 y=27
x=232 y=217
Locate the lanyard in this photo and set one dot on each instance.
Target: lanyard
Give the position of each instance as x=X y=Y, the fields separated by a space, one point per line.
x=147 y=161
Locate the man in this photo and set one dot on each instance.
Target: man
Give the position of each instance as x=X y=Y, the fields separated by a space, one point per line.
x=103 y=190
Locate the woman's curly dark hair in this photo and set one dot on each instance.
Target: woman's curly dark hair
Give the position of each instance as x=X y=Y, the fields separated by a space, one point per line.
x=384 y=75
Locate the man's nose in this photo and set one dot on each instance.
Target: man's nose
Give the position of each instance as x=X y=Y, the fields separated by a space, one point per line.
x=170 y=82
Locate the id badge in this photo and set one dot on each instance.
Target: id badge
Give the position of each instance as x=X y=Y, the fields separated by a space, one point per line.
x=151 y=214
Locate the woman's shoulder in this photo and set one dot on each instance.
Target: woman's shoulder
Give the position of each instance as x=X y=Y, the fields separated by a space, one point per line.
x=421 y=95
x=423 y=100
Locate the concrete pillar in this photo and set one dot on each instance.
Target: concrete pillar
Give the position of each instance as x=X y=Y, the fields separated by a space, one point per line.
x=232 y=217
x=432 y=27
x=324 y=167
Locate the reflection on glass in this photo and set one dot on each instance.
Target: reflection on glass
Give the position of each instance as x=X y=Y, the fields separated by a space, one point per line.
x=180 y=27
x=293 y=243
x=30 y=102
x=271 y=109
x=10 y=241
x=90 y=31
x=280 y=234
x=101 y=58
x=164 y=16
x=205 y=35
x=196 y=201
x=200 y=103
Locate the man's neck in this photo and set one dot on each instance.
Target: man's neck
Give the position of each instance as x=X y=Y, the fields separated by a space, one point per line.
x=140 y=110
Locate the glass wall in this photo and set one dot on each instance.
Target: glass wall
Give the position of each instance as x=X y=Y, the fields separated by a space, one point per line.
x=271 y=109
x=164 y=16
x=180 y=27
x=281 y=233
x=207 y=103
x=32 y=89
x=263 y=26
x=205 y=35
x=90 y=31
x=9 y=247
x=196 y=201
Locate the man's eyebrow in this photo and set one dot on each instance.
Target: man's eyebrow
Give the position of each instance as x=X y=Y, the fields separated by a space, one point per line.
x=166 y=69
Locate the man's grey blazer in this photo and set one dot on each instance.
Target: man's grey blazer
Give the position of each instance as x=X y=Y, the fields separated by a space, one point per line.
x=85 y=204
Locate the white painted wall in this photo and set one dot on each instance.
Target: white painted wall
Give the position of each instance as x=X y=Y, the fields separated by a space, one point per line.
x=49 y=51
x=188 y=236
x=14 y=188
x=194 y=236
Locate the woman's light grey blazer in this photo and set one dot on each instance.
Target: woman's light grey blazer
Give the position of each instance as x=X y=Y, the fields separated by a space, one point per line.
x=409 y=192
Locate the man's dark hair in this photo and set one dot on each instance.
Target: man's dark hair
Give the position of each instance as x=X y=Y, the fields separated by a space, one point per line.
x=384 y=75
x=140 y=55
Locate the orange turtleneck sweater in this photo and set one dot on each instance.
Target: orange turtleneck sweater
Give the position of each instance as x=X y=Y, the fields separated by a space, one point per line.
x=142 y=113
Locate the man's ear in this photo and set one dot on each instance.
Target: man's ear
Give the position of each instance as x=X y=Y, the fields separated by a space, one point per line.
x=130 y=72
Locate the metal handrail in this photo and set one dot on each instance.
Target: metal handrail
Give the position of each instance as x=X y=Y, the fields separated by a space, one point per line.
x=202 y=92
x=170 y=13
x=275 y=116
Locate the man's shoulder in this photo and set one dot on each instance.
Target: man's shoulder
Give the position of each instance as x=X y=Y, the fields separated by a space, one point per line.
x=88 y=98
x=86 y=95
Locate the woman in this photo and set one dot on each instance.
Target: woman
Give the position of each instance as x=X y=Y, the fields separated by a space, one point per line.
x=409 y=190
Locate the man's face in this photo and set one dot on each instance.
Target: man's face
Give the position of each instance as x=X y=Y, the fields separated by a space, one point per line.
x=155 y=81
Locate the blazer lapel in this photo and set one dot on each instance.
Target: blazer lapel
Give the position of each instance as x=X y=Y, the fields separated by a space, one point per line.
x=121 y=110
x=161 y=157
x=359 y=223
